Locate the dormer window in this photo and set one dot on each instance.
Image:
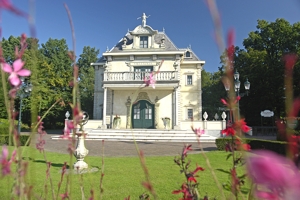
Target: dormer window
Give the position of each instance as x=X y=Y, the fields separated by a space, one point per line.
x=144 y=42
x=187 y=54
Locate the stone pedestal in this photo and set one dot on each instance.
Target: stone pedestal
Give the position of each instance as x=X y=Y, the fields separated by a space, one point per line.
x=80 y=152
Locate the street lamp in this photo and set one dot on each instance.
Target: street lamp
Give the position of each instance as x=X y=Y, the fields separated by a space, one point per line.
x=24 y=91
x=237 y=85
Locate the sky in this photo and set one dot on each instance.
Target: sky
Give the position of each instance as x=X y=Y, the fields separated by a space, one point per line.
x=101 y=24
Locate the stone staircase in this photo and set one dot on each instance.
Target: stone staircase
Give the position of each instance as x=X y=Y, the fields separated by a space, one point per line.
x=153 y=135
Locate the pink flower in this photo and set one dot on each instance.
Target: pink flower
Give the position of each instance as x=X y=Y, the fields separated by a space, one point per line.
x=224 y=102
x=150 y=81
x=241 y=124
x=64 y=196
x=198 y=131
x=275 y=176
x=186 y=149
x=228 y=131
x=15 y=71
x=40 y=141
x=5 y=163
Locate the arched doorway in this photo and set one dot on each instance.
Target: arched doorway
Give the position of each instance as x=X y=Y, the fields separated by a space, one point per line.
x=142 y=114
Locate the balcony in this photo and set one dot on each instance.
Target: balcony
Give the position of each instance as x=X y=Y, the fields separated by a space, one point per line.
x=164 y=76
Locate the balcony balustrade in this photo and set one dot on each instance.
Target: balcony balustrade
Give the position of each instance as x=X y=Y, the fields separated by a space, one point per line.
x=139 y=76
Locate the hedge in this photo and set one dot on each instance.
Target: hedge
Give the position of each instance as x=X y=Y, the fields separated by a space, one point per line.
x=5 y=138
x=4 y=126
x=276 y=146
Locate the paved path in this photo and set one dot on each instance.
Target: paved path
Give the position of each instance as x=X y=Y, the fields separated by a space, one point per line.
x=120 y=149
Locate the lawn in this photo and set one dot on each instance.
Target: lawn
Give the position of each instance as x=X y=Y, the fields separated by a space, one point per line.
x=123 y=175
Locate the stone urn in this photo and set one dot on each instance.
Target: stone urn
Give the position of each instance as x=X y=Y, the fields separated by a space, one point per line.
x=116 y=122
x=80 y=152
x=167 y=122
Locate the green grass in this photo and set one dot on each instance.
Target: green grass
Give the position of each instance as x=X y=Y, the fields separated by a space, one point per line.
x=123 y=175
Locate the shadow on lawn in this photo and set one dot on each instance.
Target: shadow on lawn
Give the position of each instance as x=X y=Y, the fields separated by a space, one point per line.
x=206 y=149
x=60 y=165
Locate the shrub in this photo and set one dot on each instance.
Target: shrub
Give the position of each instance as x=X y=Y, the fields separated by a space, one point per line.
x=275 y=146
x=4 y=126
x=5 y=138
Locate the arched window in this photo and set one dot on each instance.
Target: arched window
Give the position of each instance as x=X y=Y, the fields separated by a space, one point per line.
x=187 y=54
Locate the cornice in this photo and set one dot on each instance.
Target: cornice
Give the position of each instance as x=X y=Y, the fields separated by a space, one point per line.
x=144 y=53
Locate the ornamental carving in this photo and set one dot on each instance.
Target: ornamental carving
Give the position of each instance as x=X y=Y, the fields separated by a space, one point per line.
x=143 y=96
x=142 y=30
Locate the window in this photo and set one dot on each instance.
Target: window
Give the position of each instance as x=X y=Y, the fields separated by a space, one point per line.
x=136 y=112
x=189 y=79
x=144 y=42
x=190 y=113
x=148 y=112
x=141 y=72
x=187 y=54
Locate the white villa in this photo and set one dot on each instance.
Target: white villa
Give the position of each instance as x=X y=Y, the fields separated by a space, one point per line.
x=120 y=89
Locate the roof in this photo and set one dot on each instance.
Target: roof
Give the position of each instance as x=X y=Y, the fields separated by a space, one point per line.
x=158 y=36
x=193 y=56
x=169 y=45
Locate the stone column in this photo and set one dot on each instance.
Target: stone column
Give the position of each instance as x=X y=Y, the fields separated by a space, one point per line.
x=128 y=104
x=176 y=101
x=104 y=109
x=156 y=112
x=173 y=110
x=199 y=69
x=97 y=93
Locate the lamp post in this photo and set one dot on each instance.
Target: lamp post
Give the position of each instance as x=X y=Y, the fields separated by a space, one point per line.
x=237 y=85
x=67 y=115
x=24 y=91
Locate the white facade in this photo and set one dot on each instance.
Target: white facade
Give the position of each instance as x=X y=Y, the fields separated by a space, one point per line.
x=120 y=89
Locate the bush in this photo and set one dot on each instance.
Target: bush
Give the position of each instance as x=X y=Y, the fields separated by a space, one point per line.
x=275 y=146
x=4 y=126
x=5 y=138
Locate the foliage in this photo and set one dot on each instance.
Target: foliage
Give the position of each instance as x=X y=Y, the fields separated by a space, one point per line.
x=56 y=71
x=211 y=95
x=4 y=126
x=276 y=146
x=4 y=140
x=86 y=78
x=261 y=62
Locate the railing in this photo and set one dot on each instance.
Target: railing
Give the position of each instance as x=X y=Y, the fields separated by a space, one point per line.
x=139 y=76
x=264 y=130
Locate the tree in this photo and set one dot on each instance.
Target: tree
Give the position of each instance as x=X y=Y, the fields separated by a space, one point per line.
x=262 y=63
x=86 y=78
x=56 y=71
x=212 y=92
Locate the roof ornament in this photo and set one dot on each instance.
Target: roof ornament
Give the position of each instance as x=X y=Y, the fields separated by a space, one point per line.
x=163 y=29
x=144 y=18
x=107 y=49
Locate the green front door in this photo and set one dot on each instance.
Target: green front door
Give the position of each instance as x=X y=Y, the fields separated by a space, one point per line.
x=142 y=115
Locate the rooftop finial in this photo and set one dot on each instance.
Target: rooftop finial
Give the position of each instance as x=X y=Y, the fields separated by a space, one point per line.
x=163 y=29
x=107 y=49
x=144 y=17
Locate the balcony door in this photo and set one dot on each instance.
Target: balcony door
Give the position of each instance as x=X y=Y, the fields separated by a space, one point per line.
x=142 y=115
x=141 y=72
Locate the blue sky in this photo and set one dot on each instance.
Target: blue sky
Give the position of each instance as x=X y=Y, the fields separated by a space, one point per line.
x=102 y=24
